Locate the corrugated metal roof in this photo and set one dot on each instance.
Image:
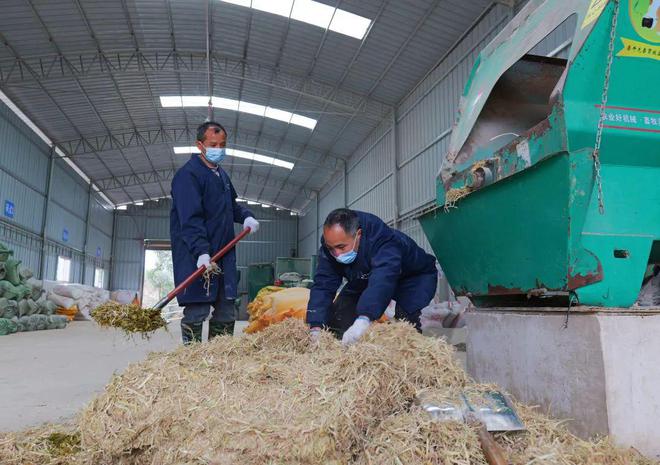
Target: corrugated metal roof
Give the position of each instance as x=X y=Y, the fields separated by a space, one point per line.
x=90 y=73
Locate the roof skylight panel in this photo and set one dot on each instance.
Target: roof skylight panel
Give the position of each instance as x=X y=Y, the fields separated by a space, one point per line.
x=314 y=13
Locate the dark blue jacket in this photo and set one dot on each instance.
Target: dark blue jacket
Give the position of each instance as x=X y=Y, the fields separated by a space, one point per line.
x=204 y=210
x=388 y=265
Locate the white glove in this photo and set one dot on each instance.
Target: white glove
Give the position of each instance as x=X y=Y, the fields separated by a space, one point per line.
x=252 y=224
x=356 y=331
x=204 y=260
x=315 y=335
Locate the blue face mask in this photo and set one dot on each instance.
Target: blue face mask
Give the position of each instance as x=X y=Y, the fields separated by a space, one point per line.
x=215 y=154
x=347 y=258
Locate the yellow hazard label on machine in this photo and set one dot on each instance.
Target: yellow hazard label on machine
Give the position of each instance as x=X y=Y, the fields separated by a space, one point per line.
x=634 y=48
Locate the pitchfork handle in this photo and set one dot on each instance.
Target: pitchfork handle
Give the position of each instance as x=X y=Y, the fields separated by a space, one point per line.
x=200 y=271
x=491 y=449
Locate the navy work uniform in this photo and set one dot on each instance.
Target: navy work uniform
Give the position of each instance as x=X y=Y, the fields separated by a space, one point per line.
x=204 y=210
x=389 y=265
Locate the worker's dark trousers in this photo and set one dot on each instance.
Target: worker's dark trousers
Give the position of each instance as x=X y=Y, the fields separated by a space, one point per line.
x=223 y=311
x=344 y=312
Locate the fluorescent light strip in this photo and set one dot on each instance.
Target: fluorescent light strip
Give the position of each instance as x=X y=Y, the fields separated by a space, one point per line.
x=242 y=154
x=181 y=101
x=264 y=205
x=314 y=13
x=124 y=206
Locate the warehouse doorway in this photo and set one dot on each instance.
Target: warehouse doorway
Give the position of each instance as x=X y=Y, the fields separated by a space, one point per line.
x=158 y=276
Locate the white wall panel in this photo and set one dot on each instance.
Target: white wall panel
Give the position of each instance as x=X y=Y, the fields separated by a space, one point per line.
x=332 y=199
x=24 y=164
x=371 y=169
x=22 y=153
x=378 y=201
x=60 y=220
x=68 y=192
x=308 y=246
x=28 y=203
x=417 y=178
x=307 y=229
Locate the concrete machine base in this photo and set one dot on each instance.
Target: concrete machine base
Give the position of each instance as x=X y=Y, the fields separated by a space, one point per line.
x=602 y=370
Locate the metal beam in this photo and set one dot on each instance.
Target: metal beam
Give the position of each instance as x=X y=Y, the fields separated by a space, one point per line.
x=382 y=75
x=166 y=175
x=142 y=137
x=21 y=70
x=347 y=70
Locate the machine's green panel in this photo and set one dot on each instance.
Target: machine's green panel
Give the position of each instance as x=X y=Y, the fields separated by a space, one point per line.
x=260 y=275
x=519 y=187
x=519 y=246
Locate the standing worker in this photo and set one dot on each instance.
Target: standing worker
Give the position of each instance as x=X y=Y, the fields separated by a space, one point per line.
x=379 y=263
x=204 y=210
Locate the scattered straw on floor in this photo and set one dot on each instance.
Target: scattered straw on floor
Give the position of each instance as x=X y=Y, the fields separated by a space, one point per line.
x=130 y=318
x=277 y=398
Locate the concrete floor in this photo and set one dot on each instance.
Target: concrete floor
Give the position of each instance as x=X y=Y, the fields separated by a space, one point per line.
x=49 y=376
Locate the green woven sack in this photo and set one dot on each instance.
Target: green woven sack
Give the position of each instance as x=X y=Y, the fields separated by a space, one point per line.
x=40 y=321
x=25 y=273
x=4 y=303
x=24 y=324
x=7 y=326
x=23 y=291
x=34 y=308
x=11 y=309
x=36 y=294
x=47 y=307
x=58 y=321
x=5 y=253
x=11 y=269
x=23 y=308
x=4 y=287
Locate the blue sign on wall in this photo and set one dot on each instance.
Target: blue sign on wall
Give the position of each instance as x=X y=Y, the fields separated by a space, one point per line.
x=98 y=252
x=10 y=209
x=65 y=235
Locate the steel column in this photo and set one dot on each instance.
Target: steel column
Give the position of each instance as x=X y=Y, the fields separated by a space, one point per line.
x=86 y=237
x=44 y=220
x=395 y=172
x=113 y=246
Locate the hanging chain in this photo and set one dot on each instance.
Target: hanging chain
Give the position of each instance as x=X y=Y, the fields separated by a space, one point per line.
x=603 y=104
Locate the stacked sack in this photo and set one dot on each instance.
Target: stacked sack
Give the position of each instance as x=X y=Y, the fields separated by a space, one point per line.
x=274 y=304
x=75 y=301
x=23 y=305
x=447 y=314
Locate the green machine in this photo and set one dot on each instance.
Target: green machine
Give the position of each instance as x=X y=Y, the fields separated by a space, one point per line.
x=259 y=275
x=550 y=191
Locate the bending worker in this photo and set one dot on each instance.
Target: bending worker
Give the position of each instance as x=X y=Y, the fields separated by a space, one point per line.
x=204 y=210
x=379 y=264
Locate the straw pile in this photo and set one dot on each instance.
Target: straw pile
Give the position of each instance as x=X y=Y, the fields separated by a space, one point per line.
x=276 y=398
x=130 y=318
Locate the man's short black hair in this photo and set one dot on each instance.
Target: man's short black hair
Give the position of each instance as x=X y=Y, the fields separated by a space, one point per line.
x=344 y=217
x=201 y=130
